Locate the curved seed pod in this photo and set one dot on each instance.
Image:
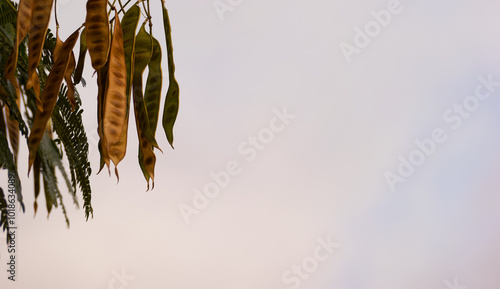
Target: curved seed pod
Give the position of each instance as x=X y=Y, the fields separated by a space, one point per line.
x=40 y=19
x=153 y=87
x=34 y=81
x=97 y=32
x=67 y=77
x=115 y=106
x=143 y=52
x=69 y=70
x=171 y=107
x=49 y=97
x=129 y=25
x=81 y=58
x=24 y=14
x=102 y=78
x=23 y=22
x=13 y=128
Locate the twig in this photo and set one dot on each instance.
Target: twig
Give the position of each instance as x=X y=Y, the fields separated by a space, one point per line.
x=112 y=7
x=55 y=14
x=122 y=9
x=121 y=6
x=150 y=22
x=10 y=4
x=144 y=6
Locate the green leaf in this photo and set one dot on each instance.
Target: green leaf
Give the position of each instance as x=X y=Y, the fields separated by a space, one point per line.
x=7 y=159
x=69 y=127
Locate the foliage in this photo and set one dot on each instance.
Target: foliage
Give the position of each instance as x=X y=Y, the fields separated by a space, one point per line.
x=35 y=103
x=69 y=127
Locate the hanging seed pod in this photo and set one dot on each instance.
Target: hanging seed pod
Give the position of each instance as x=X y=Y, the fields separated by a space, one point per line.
x=153 y=87
x=129 y=25
x=67 y=77
x=171 y=107
x=23 y=22
x=102 y=78
x=49 y=96
x=69 y=70
x=143 y=52
x=13 y=128
x=115 y=107
x=81 y=58
x=40 y=19
x=97 y=32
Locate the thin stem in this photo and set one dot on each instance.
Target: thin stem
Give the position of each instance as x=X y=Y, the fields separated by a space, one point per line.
x=55 y=14
x=144 y=6
x=143 y=10
x=10 y=4
x=149 y=18
x=121 y=5
x=111 y=6
x=122 y=9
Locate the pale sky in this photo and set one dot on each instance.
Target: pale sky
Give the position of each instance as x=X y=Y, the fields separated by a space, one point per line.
x=320 y=175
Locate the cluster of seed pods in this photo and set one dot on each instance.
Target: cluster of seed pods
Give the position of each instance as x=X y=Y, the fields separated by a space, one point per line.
x=119 y=54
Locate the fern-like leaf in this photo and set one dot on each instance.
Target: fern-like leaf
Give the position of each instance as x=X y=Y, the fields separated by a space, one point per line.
x=7 y=159
x=69 y=127
x=50 y=158
x=4 y=220
x=8 y=12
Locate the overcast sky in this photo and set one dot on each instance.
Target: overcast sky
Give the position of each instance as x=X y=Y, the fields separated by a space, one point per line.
x=354 y=149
